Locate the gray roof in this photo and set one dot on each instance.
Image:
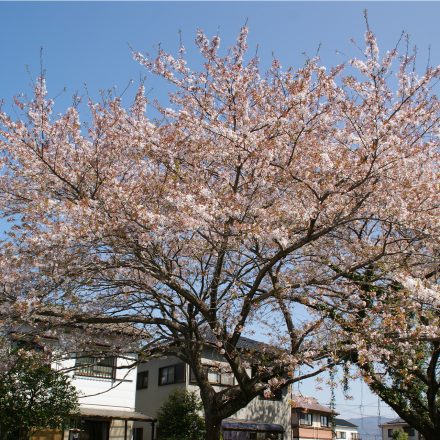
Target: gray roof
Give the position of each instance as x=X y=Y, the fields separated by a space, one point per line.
x=398 y=421
x=114 y=414
x=342 y=422
x=243 y=343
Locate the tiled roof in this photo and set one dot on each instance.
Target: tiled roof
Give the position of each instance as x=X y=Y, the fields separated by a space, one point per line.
x=309 y=403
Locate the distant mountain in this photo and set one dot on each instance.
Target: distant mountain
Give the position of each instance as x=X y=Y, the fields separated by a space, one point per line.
x=368 y=427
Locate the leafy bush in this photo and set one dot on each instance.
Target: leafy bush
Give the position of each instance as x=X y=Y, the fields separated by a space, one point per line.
x=179 y=417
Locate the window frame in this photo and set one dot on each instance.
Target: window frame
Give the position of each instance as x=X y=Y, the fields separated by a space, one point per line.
x=303 y=416
x=175 y=379
x=140 y=380
x=96 y=367
x=327 y=418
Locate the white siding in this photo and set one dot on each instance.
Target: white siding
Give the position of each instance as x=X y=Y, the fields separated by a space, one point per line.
x=118 y=393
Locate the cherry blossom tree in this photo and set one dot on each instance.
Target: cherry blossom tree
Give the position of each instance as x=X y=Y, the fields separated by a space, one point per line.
x=234 y=209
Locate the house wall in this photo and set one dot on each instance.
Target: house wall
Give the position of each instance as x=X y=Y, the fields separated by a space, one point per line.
x=118 y=393
x=350 y=433
x=311 y=433
x=149 y=400
x=315 y=431
x=397 y=427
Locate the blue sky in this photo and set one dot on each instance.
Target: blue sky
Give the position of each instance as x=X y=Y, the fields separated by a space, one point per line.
x=88 y=42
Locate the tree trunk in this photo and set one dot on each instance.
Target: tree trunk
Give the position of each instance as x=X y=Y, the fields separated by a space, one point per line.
x=431 y=434
x=24 y=433
x=213 y=428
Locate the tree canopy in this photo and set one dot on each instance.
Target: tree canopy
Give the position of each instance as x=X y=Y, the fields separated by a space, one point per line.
x=252 y=196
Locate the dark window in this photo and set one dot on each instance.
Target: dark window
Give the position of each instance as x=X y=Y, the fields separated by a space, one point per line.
x=325 y=421
x=96 y=367
x=138 y=434
x=390 y=432
x=95 y=430
x=142 y=380
x=306 y=419
x=341 y=434
x=172 y=374
x=409 y=431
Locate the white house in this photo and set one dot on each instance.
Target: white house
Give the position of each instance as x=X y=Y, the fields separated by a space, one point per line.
x=399 y=424
x=107 y=390
x=346 y=430
x=106 y=386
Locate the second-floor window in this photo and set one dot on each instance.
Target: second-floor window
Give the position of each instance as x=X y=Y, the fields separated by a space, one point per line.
x=306 y=419
x=172 y=374
x=341 y=434
x=142 y=380
x=215 y=377
x=325 y=421
x=89 y=366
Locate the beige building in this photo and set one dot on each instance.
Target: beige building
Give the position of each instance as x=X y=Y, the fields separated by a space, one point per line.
x=399 y=424
x=310 y=419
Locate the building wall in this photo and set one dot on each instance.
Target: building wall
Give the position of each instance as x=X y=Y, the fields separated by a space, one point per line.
x=350 y=433
x=118 y=393
x=149 y=400
x=315 y=431
x=397 y=427
x=311 y=433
